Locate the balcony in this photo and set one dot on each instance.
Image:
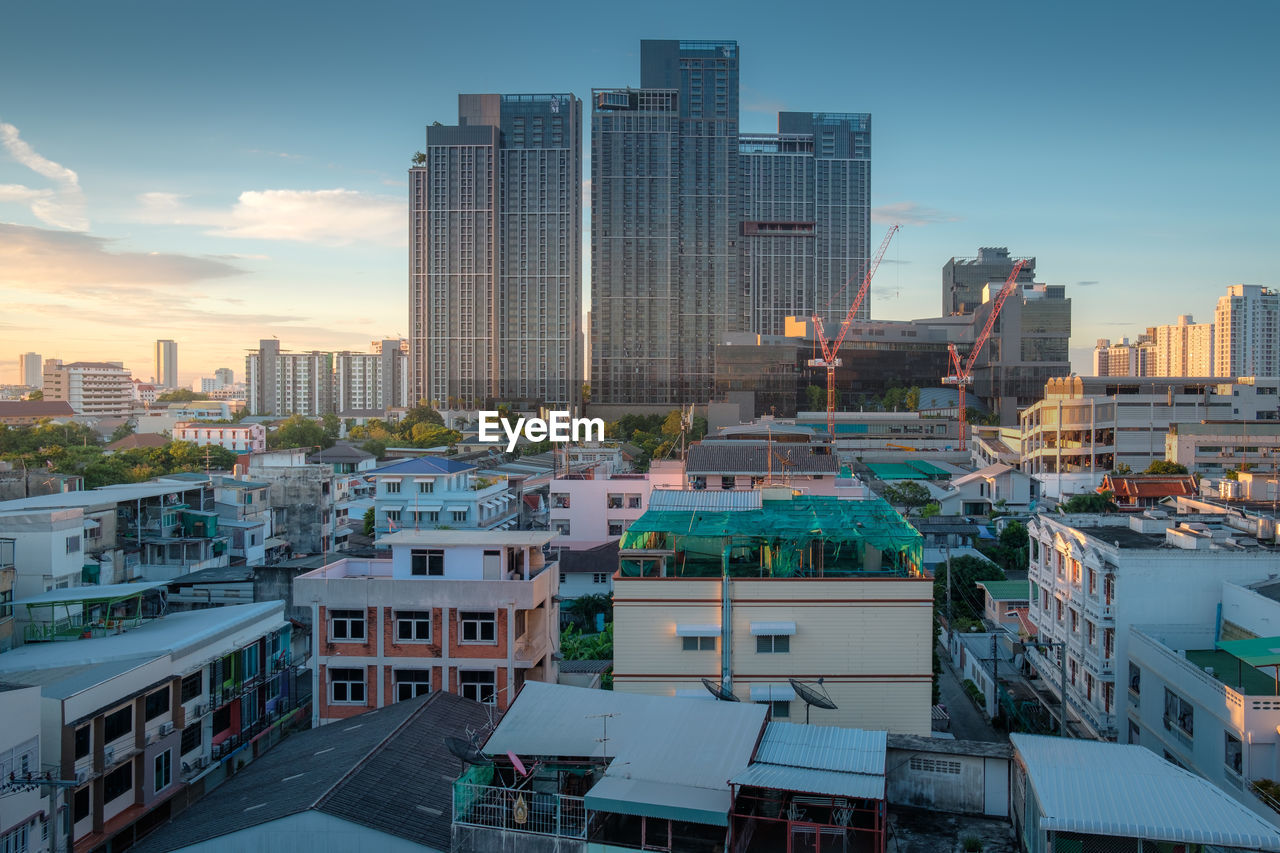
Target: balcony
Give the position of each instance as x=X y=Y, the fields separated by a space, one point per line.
x=495 y=808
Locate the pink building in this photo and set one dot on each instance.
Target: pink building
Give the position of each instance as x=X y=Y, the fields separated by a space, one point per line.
x=242 y=438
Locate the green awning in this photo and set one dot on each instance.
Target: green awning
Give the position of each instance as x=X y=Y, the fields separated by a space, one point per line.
x=669 y=799
x=1260 y=651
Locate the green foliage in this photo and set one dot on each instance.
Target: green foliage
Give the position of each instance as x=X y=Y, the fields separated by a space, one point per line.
x=655 y=435
x=974 y=417
x=535 y=449
x=1122 y=469
x=125 y=430
x=178 y=395
x=332 y=428
x=422 y=426
x=1231 y=474
x=377 y=448
x=1161 y=466
x=36 y=395
x=369 y=521
x=972 y=844
x=137 y=465
x=966 y=599
x=584 y=609
x=419 y=158
x=930 y=509
x=1010 y=551
x=297 y=431
x=1089 y=503
x=908 y=493
x=901 y=400
x=42 y=438
x=575 y=645
x=975 y=692
x=816 y=397
x=586 y=392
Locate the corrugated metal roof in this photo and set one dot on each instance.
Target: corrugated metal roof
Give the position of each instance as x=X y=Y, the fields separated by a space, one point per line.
x=1127 y=791
x=823 y=748
x=646 y=798
x=90 y=593
x=1007 y=590
x=832 y=783
x=689 y=500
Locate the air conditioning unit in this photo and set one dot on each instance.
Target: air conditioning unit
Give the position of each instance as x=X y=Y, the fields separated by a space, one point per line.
x=108 y=757
x=198 y=710
x=82 y=776
x=165 y=728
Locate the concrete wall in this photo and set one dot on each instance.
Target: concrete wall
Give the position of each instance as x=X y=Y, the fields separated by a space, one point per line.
x=947 y=782
x=20 y=711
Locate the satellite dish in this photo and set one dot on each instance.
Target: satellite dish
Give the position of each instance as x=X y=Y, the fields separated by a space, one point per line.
x=811 y=698
x=719 y=692
x=466 y=751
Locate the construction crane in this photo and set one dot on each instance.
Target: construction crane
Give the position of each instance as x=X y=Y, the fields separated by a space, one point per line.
x=962 y=374
x=831 y=349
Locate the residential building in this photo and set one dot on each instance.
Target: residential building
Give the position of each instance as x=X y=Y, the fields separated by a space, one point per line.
x=302 y=498
x=1140 y=358
x=345 y=459
x=1093 y=577
x=495 y=225
x=93 y=388
x=751 y=588
x=1139 y=492
x=964 y=278
x=1213 y=447
x=241 y=438
x=31 y=412
x=593 y=507
x=764 y=453
x=468 y=612
x=30 y=372
x=288 y=383
x=806 y=217
x=166 y=375
x=994 y=487
x=139 y=717
x=25 y=822
x=374 y=381
x=342 y=800
x=7 y=575
x=432 y=492
x=1106 y=796
x=1247 y=332
x=145 y=392
x=1005 y=603
x=244 y=513
x=585 y=571
x=1185 y=348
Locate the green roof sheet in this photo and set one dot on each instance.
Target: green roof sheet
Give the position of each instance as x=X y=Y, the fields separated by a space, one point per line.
x=1260 y=651
x=896 y=471
x=1007 y=590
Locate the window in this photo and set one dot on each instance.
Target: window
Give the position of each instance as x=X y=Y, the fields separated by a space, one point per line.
x=560 y=526
x=699 y=644
x=459 y=515
x=426 y=487
x=73 y=544
x=393 y=515
x=1178 y=714
x=346 y=624
x=1092 y=631
x=413 y=626
x=1060 y=611
x=192 y=686
x=559 y=500
x=118 y=782
x=346 y=686
x=614 y=502
x=1108 y=642
x=118 y=724
x=1108 y=589
x=157 y=703
x=1135 y=734
x=1075 y=621
x=599 y=577
x=190 y=738
x=773 y=644
x=15 y=841
x=616 y=528
x=164 y=770
x=411 y=683
x=1108 y=695
x=393 y=487
x=84 y=741
x=1093 y=582
x=633 y=501
x=81 y=807
x=1135 y=680
x=426 y=562
x=726 y=482
x=479 y=626
x=780 y=710
x=1071 y=670
x=479 y=686
x=1234 y=754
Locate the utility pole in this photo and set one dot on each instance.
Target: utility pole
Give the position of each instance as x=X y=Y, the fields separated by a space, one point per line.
x=949 y=625
x=995 y=671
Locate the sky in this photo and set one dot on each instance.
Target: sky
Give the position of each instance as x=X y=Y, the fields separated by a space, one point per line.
x=221 y=173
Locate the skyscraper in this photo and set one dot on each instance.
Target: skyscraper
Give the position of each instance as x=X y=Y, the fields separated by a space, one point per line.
x=30 y=371
x=1247 y=332
x=495 y=294
x=225 y=375
x=167 y=364
x=964 y=278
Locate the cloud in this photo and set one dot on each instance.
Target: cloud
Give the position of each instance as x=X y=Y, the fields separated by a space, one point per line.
x=63 y=206
x=51 y=261
x=910 y=213
x=892 y=261
x=1085 y=283
x=337 y=217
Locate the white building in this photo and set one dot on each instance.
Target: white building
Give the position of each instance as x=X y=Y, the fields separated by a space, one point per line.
x=1247 y=322
x=288 y=383
x=1212 y=448
x=30 y=371
x=373 y=381
x=1185 y=348
x=1094 y=576
x=595 y=507
x=25 y=822
x=241 y=438
x=93 y=388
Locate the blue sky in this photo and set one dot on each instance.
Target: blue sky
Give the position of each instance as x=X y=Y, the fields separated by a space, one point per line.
x=220 y=173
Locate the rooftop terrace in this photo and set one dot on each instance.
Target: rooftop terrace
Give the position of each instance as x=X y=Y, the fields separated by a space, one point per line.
x=1234 y=673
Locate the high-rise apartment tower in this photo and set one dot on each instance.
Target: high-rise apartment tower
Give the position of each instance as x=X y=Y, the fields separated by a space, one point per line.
x=30 y=372
x=167 y=364
x=1247 y=332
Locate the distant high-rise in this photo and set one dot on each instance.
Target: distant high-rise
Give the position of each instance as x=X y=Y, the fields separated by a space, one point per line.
x=1247 y=332
x=167 y=364
x=288 y=383
x=964 y=278
x=29 y=369
x=225 y=375
x=495 y=295
x=1185 y=348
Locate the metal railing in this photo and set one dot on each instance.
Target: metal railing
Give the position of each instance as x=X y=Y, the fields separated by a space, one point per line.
x=519 y=811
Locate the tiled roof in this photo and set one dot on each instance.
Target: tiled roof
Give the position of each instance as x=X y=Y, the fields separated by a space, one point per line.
x=35 y=409
x=136 y=441
x=1148 y=485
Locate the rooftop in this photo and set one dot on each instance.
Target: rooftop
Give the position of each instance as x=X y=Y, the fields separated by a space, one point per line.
x=827 y=760
x=387 y=769
x=741 y=457
x=424 y=465
x=139 y=440
x=104 y=495
x=1007 y=590
x=1127 y=791
x=340 y=453
x=491 y=538
x=35 y=409
x=1233 y=672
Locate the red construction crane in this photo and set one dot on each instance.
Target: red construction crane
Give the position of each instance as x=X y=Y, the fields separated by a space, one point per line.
x=962 y=375
x=831 y=349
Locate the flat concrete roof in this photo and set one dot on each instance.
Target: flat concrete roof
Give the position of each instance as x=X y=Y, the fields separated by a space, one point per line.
x=531 y=538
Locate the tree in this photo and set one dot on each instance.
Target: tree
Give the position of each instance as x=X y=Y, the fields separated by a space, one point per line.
x=332 y=427
x=575 y=645
x=816 y=397
x=125 y=430
x=1010 y=551
x=586 y=392
x=419 y=158
x=1089 y=503
x=930 y=509
x=1122 y=469
x=297 y=431
x=178 y=395
x=421 y=414
x=907 y=494
x=369 y=521
x=583 y=609
x=1161 y=466
x=377 y=448
x=36 y=395
x=966 y=600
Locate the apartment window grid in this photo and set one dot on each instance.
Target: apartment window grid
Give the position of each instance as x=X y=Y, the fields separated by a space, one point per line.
x=479 y=626
x=346 y=686
x=411 y=683
x=413 y=626
x=478 y=685
x=346 y=625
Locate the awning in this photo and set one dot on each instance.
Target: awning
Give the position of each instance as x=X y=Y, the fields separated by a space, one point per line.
x=431 y=507
x=1260 y=651
x=667 y=799
x=772 y=693
x=773 y=629
x=274 y=542
x=91 y=524
x=697 y=630
x=832 y=783
x=457 y=507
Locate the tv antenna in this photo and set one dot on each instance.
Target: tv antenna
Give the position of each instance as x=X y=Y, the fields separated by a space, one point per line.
x=603 y=740
x=719 y=691
x=467 y=751
x=812 y=698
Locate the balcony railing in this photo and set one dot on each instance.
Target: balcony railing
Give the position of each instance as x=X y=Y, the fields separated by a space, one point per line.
x=519 y=811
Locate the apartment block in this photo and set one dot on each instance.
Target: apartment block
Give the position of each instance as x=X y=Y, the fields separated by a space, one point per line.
x=732 y=587
x=590 y=508
x=137 y=717
x=25 y=820
x=166 y=375
x=30 y=370
x=495 y=276
x=1140 y=358
x=302 y=497
x=472 y=613
x=241 y=438
x=1094 y=577
x=1247 y=332
x=288 y=383
x=1185 y=348
x=92 y=388
x=373 y=381
x=432 y=492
